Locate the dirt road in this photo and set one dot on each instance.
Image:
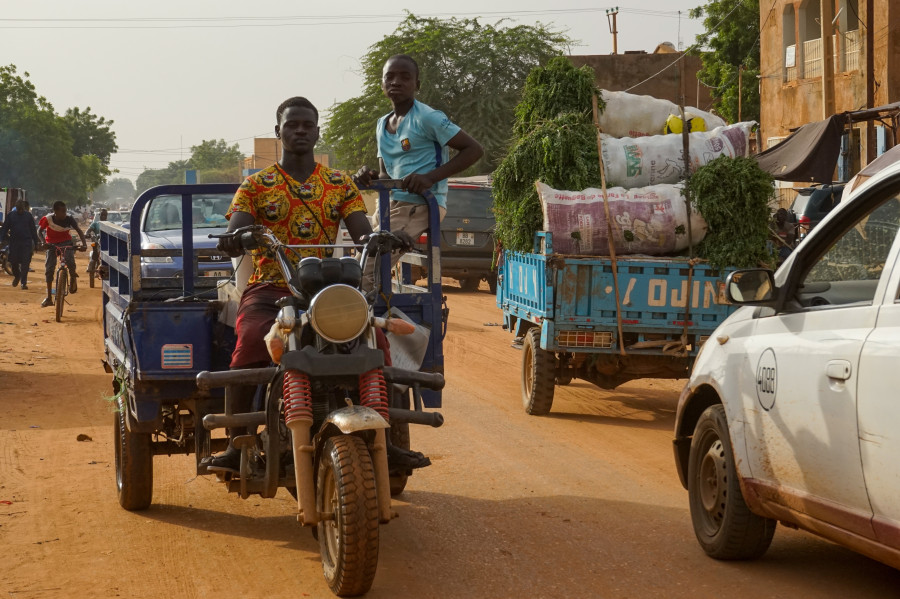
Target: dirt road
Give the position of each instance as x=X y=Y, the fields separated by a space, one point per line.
x=582 y=503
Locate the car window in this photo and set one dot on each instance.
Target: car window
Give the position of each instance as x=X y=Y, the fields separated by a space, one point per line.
x=469 y=203
x=208 y=211
x=850 y=268
x=800 y=203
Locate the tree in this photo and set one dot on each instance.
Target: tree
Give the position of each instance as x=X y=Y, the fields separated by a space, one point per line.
x=732 y=36
x=114 y=189
x=213 y=159
x=91 y=134
x=215 y=154
x=38 y=147
x=471 y=71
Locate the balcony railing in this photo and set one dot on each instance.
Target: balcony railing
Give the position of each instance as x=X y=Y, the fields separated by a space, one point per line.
x=851 y=49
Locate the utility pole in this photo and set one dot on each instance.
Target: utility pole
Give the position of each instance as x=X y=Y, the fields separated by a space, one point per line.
x=826 y=16
x=611 y=18
x=740 y=89
x=871 y=149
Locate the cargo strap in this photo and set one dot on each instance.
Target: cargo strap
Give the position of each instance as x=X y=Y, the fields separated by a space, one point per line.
x=609 y=230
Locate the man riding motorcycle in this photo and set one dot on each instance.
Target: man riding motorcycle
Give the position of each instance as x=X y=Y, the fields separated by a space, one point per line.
x=302 y=203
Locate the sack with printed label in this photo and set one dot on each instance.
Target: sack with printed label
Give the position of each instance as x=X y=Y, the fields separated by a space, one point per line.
x=632 y=115
x=639 y=162
x=650 y=220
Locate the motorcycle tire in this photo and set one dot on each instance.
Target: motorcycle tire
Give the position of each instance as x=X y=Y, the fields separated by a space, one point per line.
x=92 y=273
x=348 y=543
x=7 y=267
x=62 y=287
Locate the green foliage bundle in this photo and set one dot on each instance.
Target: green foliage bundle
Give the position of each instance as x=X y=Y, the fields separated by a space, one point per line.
x=473 y=72
x=733 y=195
x=556 y=143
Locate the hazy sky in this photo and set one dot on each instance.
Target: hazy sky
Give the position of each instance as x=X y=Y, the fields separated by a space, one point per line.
x=171 y=74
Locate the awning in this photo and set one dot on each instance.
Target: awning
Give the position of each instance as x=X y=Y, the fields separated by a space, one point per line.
x=809 y=154
x=886 y=159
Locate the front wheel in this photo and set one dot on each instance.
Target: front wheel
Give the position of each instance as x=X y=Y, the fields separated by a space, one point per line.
x=62 y=287
x=723 y=524
x=538 y=375
x=348 y=541
x=469 y=284
x=7 y=267
x=134 y=465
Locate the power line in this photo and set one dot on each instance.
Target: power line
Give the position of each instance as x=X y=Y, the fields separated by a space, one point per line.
x=281 y=21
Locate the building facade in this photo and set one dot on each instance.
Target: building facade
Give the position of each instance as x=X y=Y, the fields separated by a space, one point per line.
x=823 y=57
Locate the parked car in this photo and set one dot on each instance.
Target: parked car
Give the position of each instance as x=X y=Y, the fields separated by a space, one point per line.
x=812 y=204
x=161 y=229
x=790 y=412
x=467 y=234
x=118 y=217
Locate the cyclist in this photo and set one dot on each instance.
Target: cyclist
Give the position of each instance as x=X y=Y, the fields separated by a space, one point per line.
x=57 y=227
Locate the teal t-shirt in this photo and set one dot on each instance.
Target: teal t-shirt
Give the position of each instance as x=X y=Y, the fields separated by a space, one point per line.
x=418 y=146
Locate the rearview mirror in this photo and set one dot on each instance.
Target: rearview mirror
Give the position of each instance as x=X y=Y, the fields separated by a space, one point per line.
x=752 y=286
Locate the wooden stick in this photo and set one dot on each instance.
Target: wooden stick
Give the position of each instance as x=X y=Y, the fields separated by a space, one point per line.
x=609 y=228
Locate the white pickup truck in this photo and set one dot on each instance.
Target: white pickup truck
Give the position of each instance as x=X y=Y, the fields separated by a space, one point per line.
x=792 y=410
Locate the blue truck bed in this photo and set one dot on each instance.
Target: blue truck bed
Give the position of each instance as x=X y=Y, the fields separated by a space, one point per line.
x=668 y=307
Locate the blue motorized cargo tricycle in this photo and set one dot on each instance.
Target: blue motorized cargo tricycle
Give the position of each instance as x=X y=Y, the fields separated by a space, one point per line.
x=328 y=410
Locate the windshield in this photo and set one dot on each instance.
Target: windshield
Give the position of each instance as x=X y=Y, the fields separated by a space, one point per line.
x=469 y=203
x=208 y=210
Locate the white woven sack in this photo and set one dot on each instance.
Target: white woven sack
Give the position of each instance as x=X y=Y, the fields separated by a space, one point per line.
x=639 y=162
x=632 y=115
x=650 y=220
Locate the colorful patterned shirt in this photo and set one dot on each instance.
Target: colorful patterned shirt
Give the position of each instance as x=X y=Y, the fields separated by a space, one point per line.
x=293 y=211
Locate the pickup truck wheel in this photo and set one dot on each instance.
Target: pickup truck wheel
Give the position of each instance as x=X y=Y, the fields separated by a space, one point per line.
x=492 y=282
x=723 y=524
x=469 y=284
x=134 y=465
x=348 y=541
x=538 y=375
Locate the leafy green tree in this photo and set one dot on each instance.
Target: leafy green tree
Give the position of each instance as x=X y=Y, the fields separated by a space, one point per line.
x=171 y=175
x=91 y=134
x=472 y=71
x=215 y=154
x=113 y=189
x=732 y=39
x=38 y=147
x=213 y=159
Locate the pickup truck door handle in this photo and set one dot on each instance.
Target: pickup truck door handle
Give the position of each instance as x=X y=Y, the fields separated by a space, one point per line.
x=838 y=369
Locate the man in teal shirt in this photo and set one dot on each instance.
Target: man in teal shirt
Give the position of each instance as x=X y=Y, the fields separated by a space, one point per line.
x=413 y=141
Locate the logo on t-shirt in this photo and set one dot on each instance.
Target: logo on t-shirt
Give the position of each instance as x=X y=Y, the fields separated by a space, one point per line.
x=404 y=143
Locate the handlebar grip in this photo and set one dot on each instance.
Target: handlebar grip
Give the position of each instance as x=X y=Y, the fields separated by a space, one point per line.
x=429 y=380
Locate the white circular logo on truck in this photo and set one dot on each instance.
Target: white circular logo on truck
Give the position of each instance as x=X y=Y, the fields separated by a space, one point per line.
x=766 y=379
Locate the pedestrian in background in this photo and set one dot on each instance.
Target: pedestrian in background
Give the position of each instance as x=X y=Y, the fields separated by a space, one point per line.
x=23 y=239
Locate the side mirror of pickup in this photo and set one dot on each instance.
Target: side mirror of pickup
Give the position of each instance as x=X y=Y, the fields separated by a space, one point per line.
x=754 y=286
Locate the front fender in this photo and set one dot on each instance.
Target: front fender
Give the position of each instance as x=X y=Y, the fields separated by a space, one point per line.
x=352 y=419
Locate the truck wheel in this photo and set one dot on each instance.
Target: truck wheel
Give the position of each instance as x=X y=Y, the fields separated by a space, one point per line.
x=469 y=284
x=345 y=487
x=62 y=286
x=723 y=524
x=134 y=465
x=538 y=376
x=492 y=282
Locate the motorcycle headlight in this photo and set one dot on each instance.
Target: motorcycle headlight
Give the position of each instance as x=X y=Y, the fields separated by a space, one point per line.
x=339 y=313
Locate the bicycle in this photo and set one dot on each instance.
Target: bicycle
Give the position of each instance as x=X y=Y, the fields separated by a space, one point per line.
x=62 y=277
